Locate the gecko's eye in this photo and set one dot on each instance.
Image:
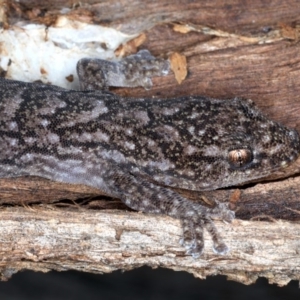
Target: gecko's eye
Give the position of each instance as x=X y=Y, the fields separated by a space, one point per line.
x=239 y=158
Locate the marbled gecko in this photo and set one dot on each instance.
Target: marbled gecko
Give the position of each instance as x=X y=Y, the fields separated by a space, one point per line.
x=136 y=149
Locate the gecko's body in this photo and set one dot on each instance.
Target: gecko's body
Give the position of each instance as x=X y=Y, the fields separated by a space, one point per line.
x=134 y=149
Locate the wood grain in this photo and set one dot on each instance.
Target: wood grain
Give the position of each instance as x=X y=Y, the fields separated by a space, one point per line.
x=44 y=239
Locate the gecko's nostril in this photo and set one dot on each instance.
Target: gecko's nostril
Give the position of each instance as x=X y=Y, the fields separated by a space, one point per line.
x=294 y=141
x=293 y=134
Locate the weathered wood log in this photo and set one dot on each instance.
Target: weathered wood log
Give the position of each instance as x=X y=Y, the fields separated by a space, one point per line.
x=46 y=238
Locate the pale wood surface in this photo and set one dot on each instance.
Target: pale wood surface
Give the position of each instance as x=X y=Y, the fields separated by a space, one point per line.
x=46 y=239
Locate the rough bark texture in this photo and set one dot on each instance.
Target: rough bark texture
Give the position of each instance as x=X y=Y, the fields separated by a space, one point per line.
x=44 y=239
x=244 y=48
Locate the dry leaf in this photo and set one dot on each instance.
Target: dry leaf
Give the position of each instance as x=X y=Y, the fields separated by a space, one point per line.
x=182 y=28
x=289 y=32
x=178 y=66
x=131 y=46
x=235 y=196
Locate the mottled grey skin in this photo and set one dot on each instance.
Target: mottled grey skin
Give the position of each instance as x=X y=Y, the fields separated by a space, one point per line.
x=135 y=70
x=134 y=149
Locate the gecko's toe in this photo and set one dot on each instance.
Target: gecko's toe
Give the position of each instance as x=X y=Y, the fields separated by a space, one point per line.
x=195 y=249
x=220 y=249
x=195 y=253
x=192 y=238
x=187 y=244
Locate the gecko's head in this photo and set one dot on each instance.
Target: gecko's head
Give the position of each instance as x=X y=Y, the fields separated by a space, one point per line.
x=231 y=142
x=251 y=146
x=203 y=144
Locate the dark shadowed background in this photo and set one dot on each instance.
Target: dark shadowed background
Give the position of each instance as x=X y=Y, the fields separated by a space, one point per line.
x=143 y=283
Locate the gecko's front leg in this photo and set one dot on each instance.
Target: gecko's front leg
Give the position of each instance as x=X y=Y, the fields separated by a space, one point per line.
x=141 y=195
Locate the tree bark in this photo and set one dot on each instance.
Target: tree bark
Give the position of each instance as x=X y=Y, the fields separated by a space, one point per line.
x=239 y=49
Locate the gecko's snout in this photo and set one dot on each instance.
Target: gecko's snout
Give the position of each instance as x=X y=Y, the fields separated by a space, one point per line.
x=293 y=140
x=294 y=136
